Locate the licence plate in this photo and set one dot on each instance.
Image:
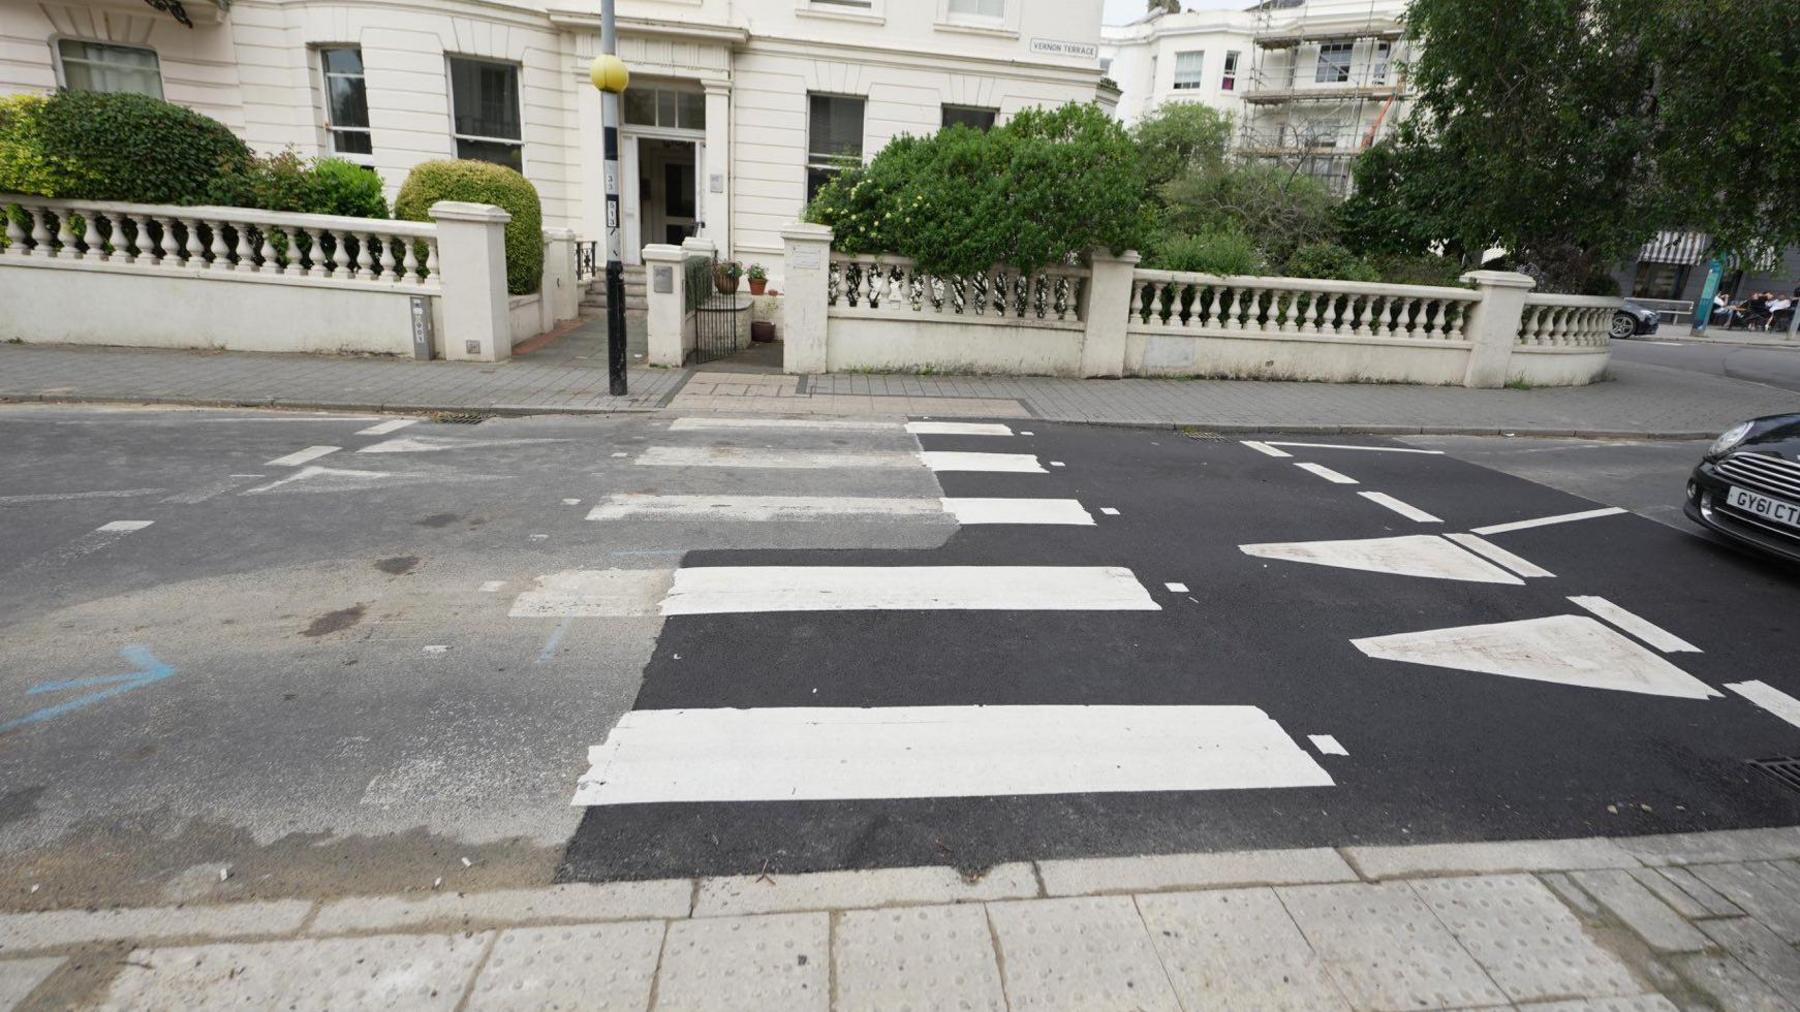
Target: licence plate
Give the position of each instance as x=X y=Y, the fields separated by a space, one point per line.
x=1755 y=502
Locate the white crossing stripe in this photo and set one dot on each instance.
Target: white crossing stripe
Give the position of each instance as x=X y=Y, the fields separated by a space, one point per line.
x=1405 y=509
x=1422 y=555
x=701 y=424
x=1066 y=512
x=1560 y=518
x=1327 y=473
x=803 y=460
x=1348 y=446
x=958 y=429
x=1179 y=588
x=1327 y=745
x=594 y=593
x=491 y=586
x=1494 y=553
x=1265 y=448
x=299 y=457
x=954 y=460
x=1769 y=698
x=392 y=425
x=840 y=753
x=1636 y=625
x=716 y=590
x=123 y=526
x=763 y=508
x=1109 y=511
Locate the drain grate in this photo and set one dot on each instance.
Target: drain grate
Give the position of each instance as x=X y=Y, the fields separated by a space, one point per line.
x=1785 y=769
x=459 y=417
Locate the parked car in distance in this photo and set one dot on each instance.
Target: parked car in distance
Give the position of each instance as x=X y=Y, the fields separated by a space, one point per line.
x=1634 y=318
x=1747 y=487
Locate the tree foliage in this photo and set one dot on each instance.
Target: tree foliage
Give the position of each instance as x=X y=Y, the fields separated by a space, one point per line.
x=1570 y=131
x=1278 y=208
x=1177 y=138
x=1048 y=185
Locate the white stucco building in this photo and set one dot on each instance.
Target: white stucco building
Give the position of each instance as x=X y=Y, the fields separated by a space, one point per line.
x=1308 y=82
x=736 y=106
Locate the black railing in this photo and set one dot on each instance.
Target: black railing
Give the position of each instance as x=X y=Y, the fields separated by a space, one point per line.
x=584 y=259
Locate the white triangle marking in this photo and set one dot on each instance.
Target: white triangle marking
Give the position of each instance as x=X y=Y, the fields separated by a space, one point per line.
x=1565 y=649
x=1425 y=555
x=429 y=444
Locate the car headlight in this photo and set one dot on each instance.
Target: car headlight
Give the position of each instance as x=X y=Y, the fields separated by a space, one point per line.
x=1730 y=439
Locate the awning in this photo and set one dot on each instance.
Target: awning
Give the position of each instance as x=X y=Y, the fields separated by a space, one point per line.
x=1675 y=248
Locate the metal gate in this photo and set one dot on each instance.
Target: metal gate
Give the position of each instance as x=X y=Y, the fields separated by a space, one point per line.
x=715 y=314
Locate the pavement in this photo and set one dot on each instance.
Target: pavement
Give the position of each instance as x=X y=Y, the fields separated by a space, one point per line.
x=567 y=376
x=1768 y=365
x=1700 y=921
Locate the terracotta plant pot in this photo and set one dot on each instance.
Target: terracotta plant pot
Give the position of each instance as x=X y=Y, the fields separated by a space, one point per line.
x=762 y=331
x=724 y=283
x=757 y=285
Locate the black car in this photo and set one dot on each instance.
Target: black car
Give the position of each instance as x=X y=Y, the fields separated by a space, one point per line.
x=1747 y=487
x=1634 y=318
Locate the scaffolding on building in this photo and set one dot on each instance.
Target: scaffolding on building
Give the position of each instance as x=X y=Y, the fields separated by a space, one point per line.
x=1326 y=80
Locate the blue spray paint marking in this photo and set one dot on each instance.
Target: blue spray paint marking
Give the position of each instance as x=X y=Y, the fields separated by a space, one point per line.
x=149 y=672
x=548 y=654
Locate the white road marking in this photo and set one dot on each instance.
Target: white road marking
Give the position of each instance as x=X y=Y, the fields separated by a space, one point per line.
x=1178 y=588
x=1565 y=649
x=540 y=537
x=953 y=460
x=597 y=593
x=1423 y=555
x=958 y=429
x=1769 y=698
x=621 y=453
x=1327 y=473
x=434 y=444
x=1057 y=463
x=571 y=502
x=758 y=508
x=807 y=460
x=1023 y=433
x=123 y=526
x=1636 y=625
x=307 y=473
x=391 y=425
x=299 y=457
x=1494 y=553
x=437 y=648
x=1063 y=512
x=491 y=586
x=123 y=493
x=1327 y=745
x=1347 y=446
x=819 y=424
x=201 y=493
x=1560 y=518
x=1265 y=448
x=1109 y=511
x=827 y=753
x=717 y=590
x=1405 y=509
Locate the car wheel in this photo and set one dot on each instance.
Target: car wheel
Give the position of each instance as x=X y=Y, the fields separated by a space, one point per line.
x=1623 y=326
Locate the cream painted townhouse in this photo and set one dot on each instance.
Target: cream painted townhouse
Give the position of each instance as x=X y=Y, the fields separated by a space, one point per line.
x=737 y=108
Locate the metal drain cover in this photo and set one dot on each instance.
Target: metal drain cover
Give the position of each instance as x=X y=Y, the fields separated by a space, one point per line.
x=1786 y=769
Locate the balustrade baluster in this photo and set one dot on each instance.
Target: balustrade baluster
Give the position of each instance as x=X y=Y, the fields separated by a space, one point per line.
x=1283 y=309
x=171 y=249
x=221 y=253
x=40 y=235
x=1249 y=307
x=274 y=261
x=1320 y=306
x=1359 y=306
x=431 y=260
x=246 y=250
x=65 y=239
x=364 y=258
x=92 y=244
x=384 y=267
x=409 y=261
x=341 y=255
x=15 y=235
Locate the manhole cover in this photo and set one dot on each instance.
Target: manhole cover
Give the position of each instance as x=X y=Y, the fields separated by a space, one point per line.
x=1785 y=769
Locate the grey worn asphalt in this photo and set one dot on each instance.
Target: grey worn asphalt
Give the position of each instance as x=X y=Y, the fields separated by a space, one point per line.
x=1773 y=367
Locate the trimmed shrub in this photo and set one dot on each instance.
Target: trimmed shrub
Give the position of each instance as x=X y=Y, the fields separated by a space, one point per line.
x=1226 y=251
x=340 y=187
x=287 y=182
x=133 y=147
x=484 y=183
x=25 y=165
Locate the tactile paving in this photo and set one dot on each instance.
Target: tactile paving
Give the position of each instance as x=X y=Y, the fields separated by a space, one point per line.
x=917 y=958
x=1526 y=940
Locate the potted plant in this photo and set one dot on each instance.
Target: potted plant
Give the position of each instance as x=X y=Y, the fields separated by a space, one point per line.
x=759 y=278
x=725 y=276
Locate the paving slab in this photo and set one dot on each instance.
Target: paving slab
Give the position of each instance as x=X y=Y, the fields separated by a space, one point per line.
x=1154 y=872
x=1766 y=890
x=919 y=958
x=1674 y=896
x=774 y=961
x=1236 y=949
x=1716 y=847
x=1487 y=858
x=1730 y=984
x=1385 y=949
x=1086 y=954
x=1636 y=1003
x=615 y=901
x=1632 y=902
x=604 y=967
x=20 y=977
x=1760 y=950
x=1706 y=896
x=849 y=890
x=1527 y=941
x=57 y=928
x=422 y=972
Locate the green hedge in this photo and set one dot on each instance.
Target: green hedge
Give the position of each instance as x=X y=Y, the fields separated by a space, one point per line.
x=92 y=146
x=484 y=183
x=287 y=182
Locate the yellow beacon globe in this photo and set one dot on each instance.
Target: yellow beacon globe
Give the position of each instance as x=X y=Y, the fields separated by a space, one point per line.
x=609 y=74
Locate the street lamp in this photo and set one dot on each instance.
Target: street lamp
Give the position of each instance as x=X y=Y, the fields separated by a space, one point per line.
x=610 y=75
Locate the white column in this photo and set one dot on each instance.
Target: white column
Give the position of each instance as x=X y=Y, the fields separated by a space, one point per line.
x=472 y=268
x=1493 y=325
x=717 y=184
x=560 y=295
x=1106 y=310
x=592 y=179
x=806 y=261
x=666 y=295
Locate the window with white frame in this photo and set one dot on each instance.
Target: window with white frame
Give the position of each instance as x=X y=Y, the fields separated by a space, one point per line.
x=485 y=113
x=972 y=116
x=1334 y=63
x=1228 y=79
x=346 y=102
x=990 y=10
x=669 y=108
x=834 y=131
x=98 y=66
x=1190 y=70
x=1384 y=54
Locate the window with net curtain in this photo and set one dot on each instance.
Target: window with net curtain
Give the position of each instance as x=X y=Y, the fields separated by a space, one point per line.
x=95 y=66
x=484 y=98
x=834 y=130
x=1189 y=69
x=994 y=9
